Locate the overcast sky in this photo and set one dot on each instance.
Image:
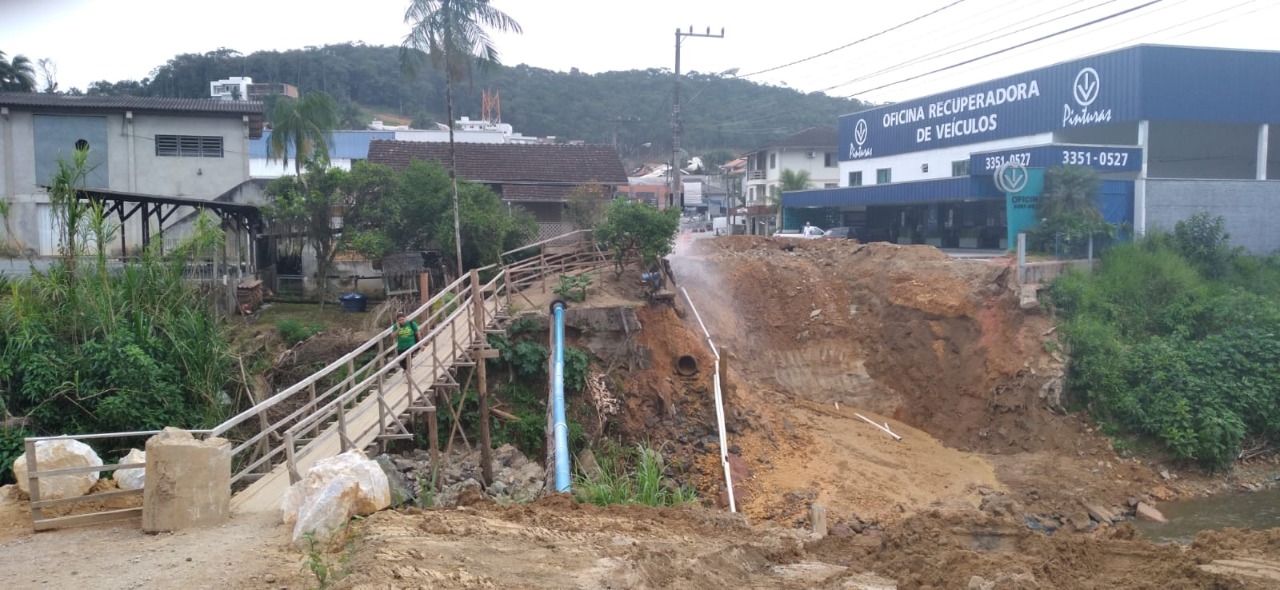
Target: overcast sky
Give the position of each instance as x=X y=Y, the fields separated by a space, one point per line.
x=125 y=39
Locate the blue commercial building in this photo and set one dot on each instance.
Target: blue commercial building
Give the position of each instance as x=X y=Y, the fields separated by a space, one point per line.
x=1170 y=130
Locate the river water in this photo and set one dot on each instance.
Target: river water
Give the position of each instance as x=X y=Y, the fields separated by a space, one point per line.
x=1257 y=510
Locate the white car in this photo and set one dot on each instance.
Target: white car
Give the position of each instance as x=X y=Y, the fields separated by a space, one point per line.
x=807 y=233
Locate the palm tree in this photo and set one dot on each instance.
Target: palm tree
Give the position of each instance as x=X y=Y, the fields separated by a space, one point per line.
x=305 y=125
x=453 y=35
x=1069 y=192
x=790 y=180
x=17 y=75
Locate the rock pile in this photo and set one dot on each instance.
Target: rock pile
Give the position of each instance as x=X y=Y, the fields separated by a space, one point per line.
x=59 y=454
x=515 y=477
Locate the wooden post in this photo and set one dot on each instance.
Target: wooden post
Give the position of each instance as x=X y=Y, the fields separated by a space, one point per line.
x=424 y=287
x=315 y=431
x=33 y=480
x=292 y=464
x=433 y=432
x=486 y=453
x=342 y=428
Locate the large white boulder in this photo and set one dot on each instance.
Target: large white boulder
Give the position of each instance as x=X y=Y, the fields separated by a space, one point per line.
x=326 y=512
x=59 y=454
x=132 y=479
x=373 y=494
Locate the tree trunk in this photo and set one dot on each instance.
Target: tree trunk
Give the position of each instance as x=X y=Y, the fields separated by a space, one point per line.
x=453 y=157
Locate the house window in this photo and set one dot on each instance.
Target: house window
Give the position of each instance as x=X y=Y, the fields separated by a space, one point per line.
x=773 y=161
x=830 y=185
x=960 y=168
x=855 y=178
x=829 y=159
x=189 y=146
x=884 y=176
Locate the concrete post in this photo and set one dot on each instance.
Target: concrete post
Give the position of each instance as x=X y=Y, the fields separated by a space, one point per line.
x=188 y=482
x=818 y=519
x=1022 y=257
x=1140 y=185
x=1264 y=138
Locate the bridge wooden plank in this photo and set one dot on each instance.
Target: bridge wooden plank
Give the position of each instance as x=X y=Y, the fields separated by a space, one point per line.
x=365 y=422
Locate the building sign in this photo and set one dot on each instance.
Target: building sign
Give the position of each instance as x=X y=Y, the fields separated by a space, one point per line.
x=1092 y=91
x=1103 y=158
x=1022 y=188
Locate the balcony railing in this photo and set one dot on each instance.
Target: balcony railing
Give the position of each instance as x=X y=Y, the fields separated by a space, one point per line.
x=755 y=175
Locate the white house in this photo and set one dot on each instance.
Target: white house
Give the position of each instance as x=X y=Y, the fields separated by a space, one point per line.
x=812 y=150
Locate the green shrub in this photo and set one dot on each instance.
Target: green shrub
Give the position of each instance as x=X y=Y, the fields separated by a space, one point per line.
x=573 y=287
x=294 y=331
x=11 y=447
x=1162 y=350
x=1203 y=240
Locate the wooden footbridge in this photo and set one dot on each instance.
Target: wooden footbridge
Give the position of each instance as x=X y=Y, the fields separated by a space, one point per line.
x=364 y=399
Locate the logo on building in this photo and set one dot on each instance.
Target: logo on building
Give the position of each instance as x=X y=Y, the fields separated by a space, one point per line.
x=1011 y=177
x=1085 y=89
x=856 y=149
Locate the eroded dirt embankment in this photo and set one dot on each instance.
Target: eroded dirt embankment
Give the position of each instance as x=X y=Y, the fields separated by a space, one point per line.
x=937 y=347
x=910 y=332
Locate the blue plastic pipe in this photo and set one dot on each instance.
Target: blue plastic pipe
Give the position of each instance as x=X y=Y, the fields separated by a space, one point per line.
x=557 y=401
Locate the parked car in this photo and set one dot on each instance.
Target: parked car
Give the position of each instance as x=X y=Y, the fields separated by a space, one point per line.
x=810 y=232
x=846 y=233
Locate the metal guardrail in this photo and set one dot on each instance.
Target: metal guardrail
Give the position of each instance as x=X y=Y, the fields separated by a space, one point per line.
x=38 y=519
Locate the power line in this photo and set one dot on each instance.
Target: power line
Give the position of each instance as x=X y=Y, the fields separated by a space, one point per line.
x=1079 y=34
x=977 y=41
x=969 y=61
x=1011 y=48
x=848 y=45
x=979 y=19
x=751 y=114
x=1215 y=23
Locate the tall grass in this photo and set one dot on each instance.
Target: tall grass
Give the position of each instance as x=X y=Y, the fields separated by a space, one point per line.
x=631 y=476
x=88 y=347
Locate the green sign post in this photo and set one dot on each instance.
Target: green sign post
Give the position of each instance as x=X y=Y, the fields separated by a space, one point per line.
x=1022 y=188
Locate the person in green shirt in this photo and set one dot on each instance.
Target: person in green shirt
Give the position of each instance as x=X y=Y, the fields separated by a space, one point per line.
x=406 y=334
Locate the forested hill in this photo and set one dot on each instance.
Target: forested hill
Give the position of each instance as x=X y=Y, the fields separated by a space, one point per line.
x=718 y=112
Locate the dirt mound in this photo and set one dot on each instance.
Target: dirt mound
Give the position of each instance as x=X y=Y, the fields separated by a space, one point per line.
x=907 y=331
x=947 y=550
x=555 y=543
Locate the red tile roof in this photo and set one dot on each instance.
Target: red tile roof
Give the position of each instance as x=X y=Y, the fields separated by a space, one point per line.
x=566 y=165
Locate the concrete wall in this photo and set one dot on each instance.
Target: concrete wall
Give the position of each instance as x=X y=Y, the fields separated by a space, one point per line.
x=202 y=178
x=56 y=137
x=1249 y=208
x=907 y=167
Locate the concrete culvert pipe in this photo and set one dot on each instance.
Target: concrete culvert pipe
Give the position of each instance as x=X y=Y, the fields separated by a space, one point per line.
x=686 y=365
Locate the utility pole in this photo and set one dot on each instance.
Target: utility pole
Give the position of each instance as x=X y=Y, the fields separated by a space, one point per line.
x=617 y=122
x=677 y=189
